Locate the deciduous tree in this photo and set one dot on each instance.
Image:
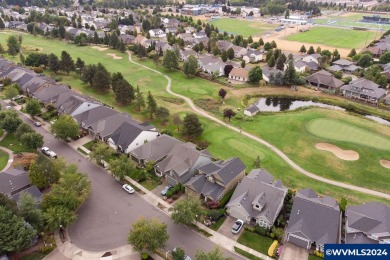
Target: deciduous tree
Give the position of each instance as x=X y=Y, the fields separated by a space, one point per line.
x=255 y=75
x=10 y=91
x=215 y=254
x=10 y=122
x=100 y=151
x=121 y=167
x=148 y=235
x=30 y=210
x=228 y=113
x=15 y=234
x=32 y=140
x=65 y=127
x=33 y=107
x=190 y=66
x=177 y=121
x=222 y=93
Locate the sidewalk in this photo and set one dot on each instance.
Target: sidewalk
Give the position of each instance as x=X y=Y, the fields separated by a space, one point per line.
x=217 y=238
x=10 y=154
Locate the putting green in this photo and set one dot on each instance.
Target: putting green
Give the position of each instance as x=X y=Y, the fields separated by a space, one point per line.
x=338 y=131
x=198 y=91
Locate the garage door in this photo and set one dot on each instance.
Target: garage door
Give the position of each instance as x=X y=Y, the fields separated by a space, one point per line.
x=298 y=241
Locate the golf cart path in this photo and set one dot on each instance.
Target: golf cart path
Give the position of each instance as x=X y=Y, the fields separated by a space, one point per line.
x=261 y=141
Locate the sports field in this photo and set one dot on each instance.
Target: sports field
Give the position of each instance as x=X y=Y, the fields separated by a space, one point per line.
x=339 y=131
x=243 y=27
x=350 y=23
x=336 y=37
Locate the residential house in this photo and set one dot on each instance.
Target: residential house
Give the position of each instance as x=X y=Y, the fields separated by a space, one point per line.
x=239 y=74
x=368 y=223
x=14 y=181
x=314 y=221
x=181 y=163
x=239 y=52
x=299 y=66
x=325 y=81
x=154 y=151
x=270 y=72
x=224 y=45
x=72 y=103
x=198 y=35
x=157 y=33
x=211 y=64
x=90 y=116
x=128 y=39
x=170 y=22
x=387 y=100
x=163 y=46
x=131 y=135
x=251 y=110
x=253 y=56
x=185 y=54
x=364 y=89
x=172 y=30
x=311 y=58
x=35 y=83
x=258 y=197
x=139 y=40
x=48 y=92
x=346 y=65
x=215 y=179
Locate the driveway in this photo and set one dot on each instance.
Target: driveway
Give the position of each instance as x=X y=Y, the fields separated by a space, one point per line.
x=293 y=252
x=159 y=188
x=226 y=228
x=105 y=219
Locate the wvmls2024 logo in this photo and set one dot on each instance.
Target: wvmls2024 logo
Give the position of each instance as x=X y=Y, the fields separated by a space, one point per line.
x=356 y=251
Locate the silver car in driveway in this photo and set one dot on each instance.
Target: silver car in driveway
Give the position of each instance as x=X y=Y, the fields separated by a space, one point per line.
x=237 y=226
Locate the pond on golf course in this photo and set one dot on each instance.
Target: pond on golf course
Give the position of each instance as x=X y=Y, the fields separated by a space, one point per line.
x=274 y=104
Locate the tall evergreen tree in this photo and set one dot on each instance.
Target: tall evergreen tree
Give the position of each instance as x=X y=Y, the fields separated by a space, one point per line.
x=2 y=26
x=271 y=62
x=13 y=45
x=290 y=75
x=101 y=79
x=53 y=63
x=124 y=92
x=151 y=105
x=170 y=60
x=139 y=99
x=192 y=127
x=80 y=64
x=66 y=63
x=302 y=49
x=311 y=50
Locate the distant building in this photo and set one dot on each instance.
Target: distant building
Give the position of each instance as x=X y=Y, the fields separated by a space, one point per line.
x=375 y=19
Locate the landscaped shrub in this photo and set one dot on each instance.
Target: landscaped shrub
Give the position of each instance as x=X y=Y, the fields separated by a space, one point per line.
x=144 y=256
x=225 y=199
x=262 y=231
x=239 y=116
x=169 y=194
x=167 y=132
x=141 y=176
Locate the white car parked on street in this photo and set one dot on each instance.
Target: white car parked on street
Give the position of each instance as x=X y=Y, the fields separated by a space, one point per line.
x=128 y=188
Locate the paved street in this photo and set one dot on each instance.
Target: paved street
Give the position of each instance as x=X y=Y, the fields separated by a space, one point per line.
x=105 y=219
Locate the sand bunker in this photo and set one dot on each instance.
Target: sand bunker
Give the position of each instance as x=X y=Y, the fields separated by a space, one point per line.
x=114 y=56
x=385 y=163
x=99 y=48
x=347 y=155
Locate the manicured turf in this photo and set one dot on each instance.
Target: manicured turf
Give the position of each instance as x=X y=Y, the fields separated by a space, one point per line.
x=14 y=145
x=243 y=27
x=350 y=23
x=255 y=241
x=246 y=254
x=288 y=132
x=339 y=131
x=3 y=159
x=339 y=38
x=224 y=143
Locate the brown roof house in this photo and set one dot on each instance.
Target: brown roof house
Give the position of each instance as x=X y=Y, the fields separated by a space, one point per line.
x=364 y=89
x=324 y=81
x=258 y=197
x=314 y=221
x=215 y=179
x=239 y=74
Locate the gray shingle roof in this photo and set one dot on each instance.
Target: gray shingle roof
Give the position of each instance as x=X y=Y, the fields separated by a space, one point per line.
x=224 y=171
x=155 y=150
x=365 y=87
x=126 y=133
x=13 y=180
x=324 y=78
x=314 y=217
x=372 y=218
x=49 y=92
x=259 y=182
x=32 y=190
x=93 y=115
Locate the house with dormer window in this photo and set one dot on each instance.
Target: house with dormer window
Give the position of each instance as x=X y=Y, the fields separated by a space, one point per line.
x=258 y=197
x=215 y=179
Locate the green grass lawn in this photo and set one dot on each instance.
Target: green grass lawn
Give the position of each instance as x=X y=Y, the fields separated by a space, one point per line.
x=313 y=257
x=13 y=144
x=246 y=254
x=255 y=241
x=243 y=27
x=351 y=23
x=3 y=159
x=339 y=38
x=224 y=143
x=288 y=132
x=339 y=131
x=218 y=224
